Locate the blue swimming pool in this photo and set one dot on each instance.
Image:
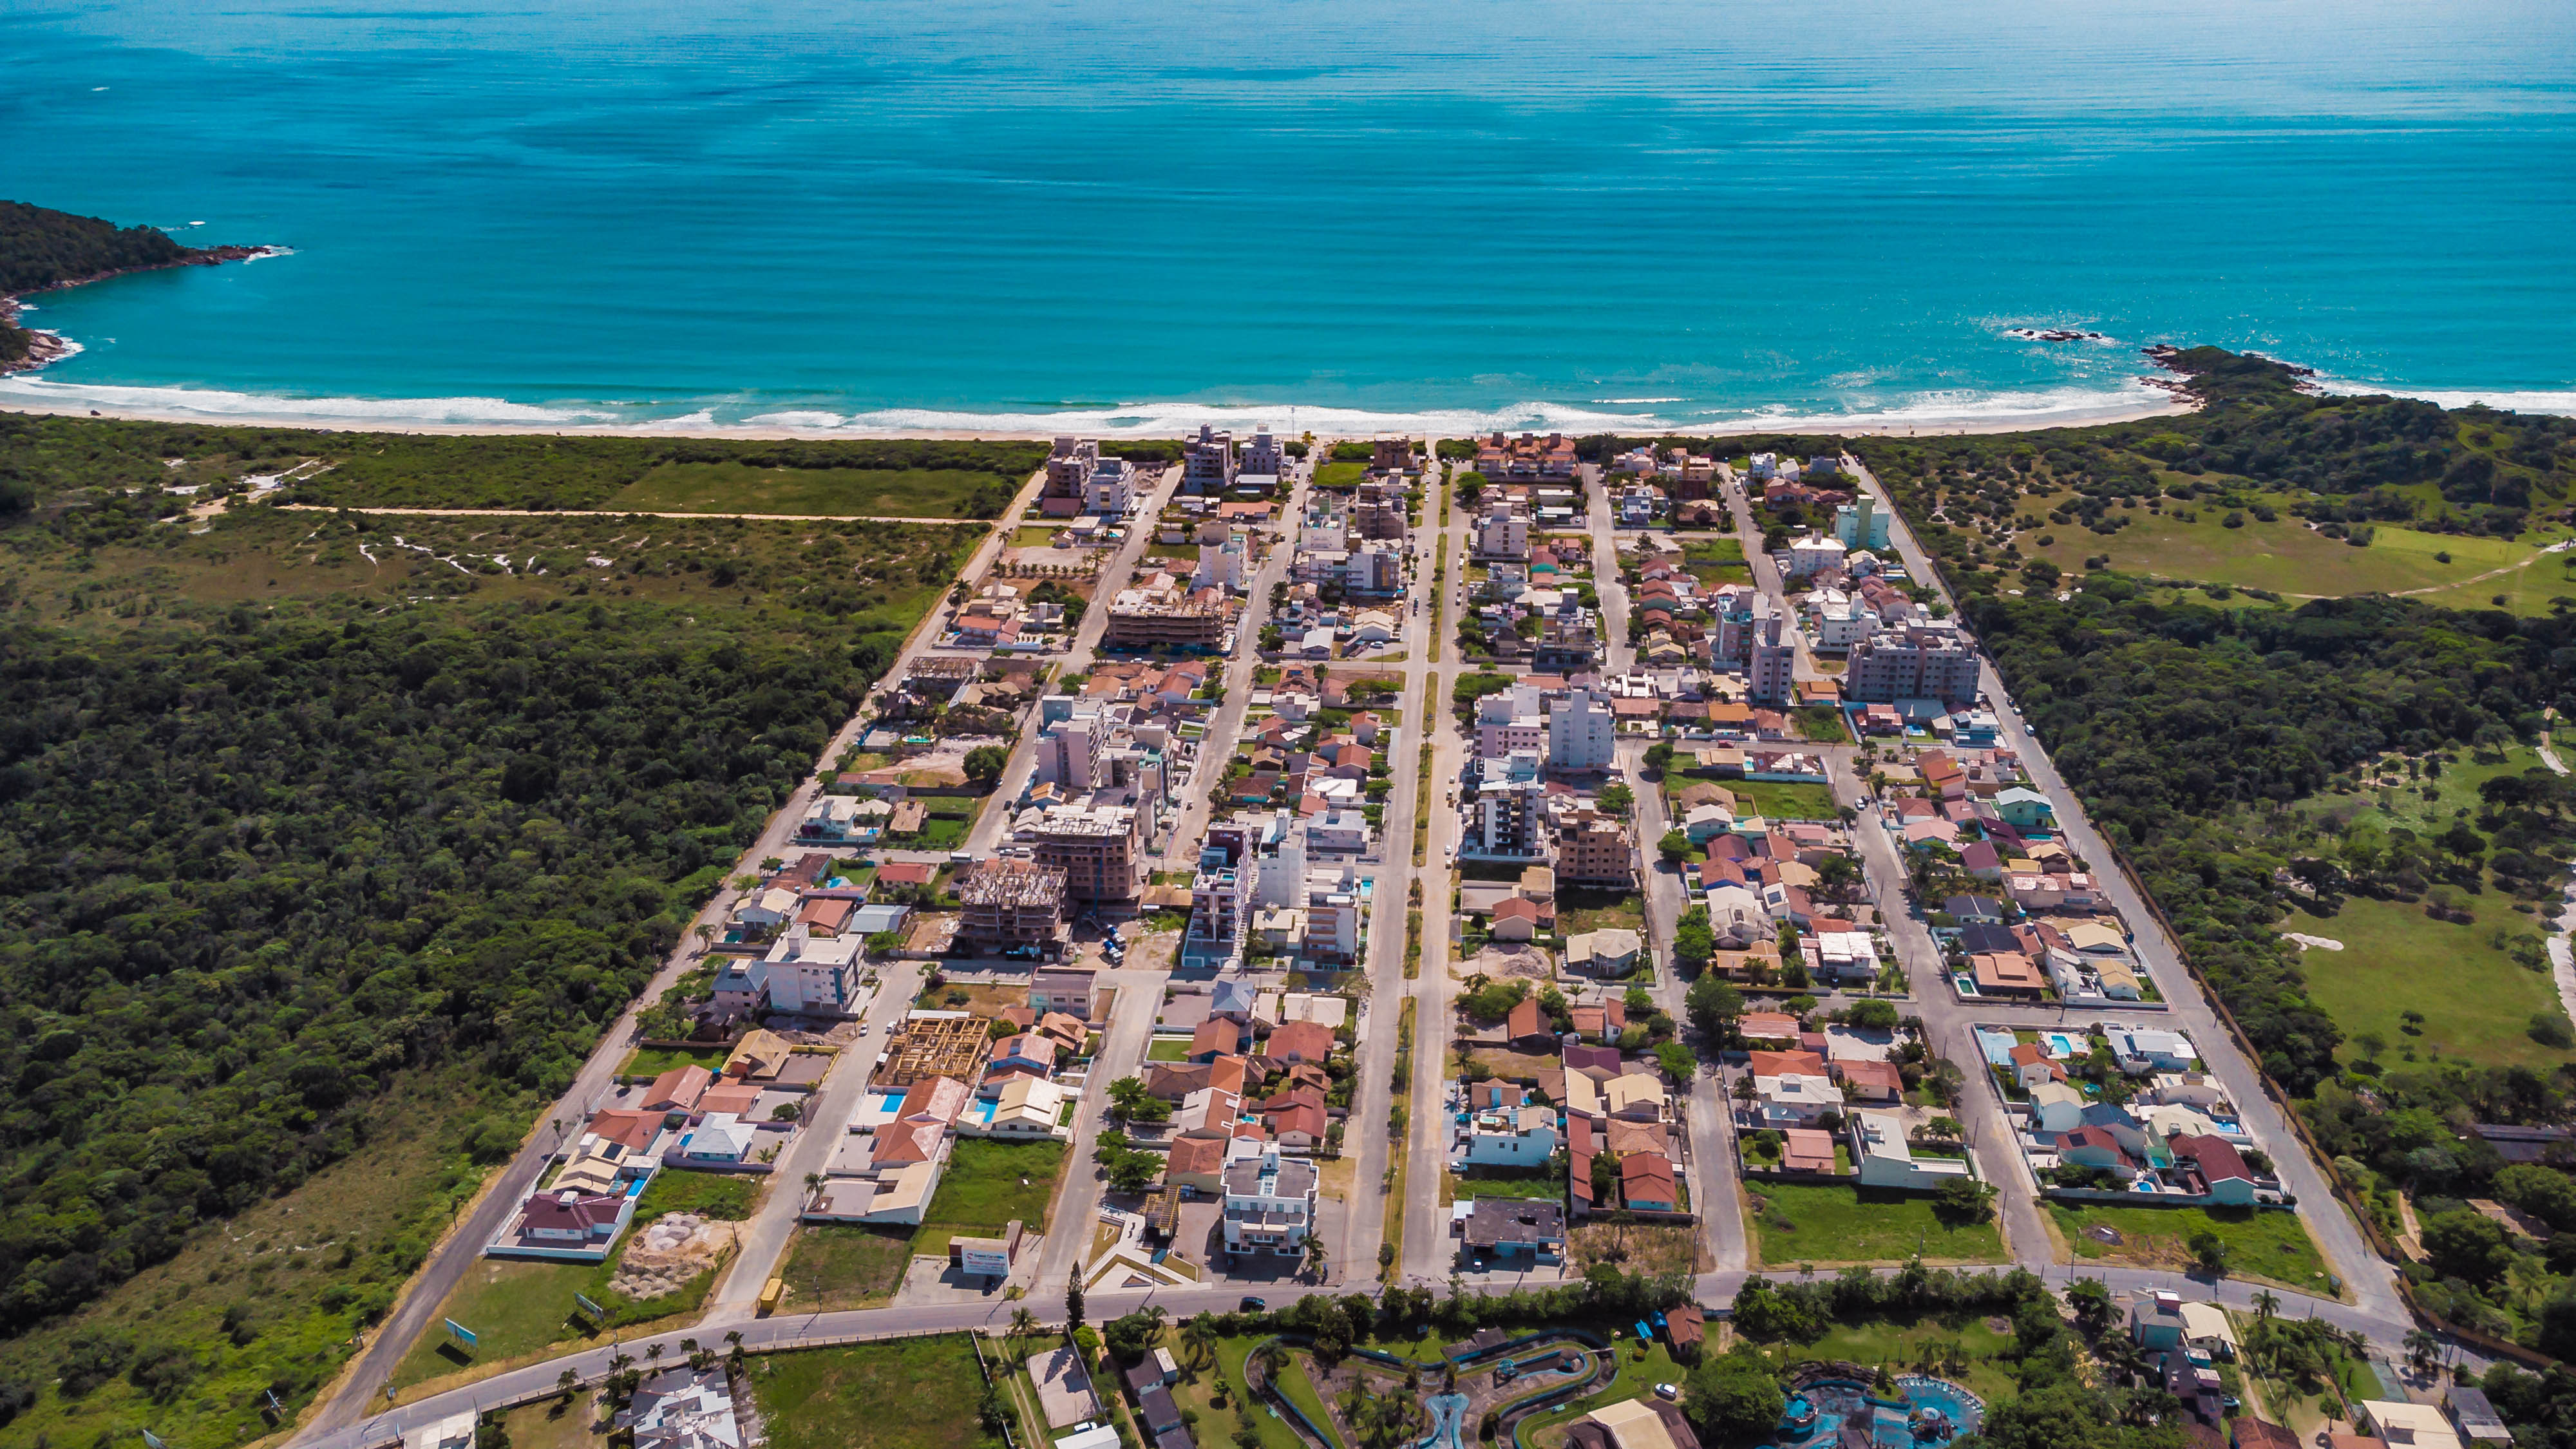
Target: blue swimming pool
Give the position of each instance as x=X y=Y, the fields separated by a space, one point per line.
x=1928 y=1414
x=1448 y=1421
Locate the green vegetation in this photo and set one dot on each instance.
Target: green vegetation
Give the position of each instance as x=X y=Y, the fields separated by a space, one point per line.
x=725 y=1196
x=1785 y=800
x=2289 y=556
x=1341 y=474
x=734 y=487
x=2258 y=1244
x=1821 y=1223
x=832 y=1266
x=2477 y=1008
x=654 y=1061
x=327 y=856
x=908 y=1393
x=1639 y=1372
x=518 y=1309
x=906 y=477
x=988 y=1184
x=41 y=247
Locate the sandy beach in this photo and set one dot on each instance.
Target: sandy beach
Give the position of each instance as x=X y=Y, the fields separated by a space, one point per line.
x=1840 y=427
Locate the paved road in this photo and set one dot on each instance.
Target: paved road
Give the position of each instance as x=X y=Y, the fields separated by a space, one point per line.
x=1018 y=506
x=1428 y=1252
x=1114 y=575
x=766 y=1236
x=502 y=1193
x=2347 y=1253
x=1077 y=1201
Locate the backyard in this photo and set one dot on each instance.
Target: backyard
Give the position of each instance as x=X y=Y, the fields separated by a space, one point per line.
x=912 y=1393
x=1581 y=910
x=989 y=1184
x=1819 y=1223
x=2267 y=1245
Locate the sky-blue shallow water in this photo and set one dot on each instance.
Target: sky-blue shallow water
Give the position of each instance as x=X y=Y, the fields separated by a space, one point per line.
x=1320 y=213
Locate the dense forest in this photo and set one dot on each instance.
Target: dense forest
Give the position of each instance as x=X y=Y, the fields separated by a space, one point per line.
x=40 y=247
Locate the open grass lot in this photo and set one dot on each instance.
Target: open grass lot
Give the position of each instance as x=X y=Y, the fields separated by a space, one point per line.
x=1901 y=1342
x=2269 y=1245
x=911 y=1393
x=1216 y=1427
x=832 y=1266
x=1817 y=1223
x=2287 y=556
x=988 y=1184
x=654 y=1061
x=985 y=998
x=1581 y=910
x=873 y=492
x=519 y=1309
x=725 y=1196
x=1785 y=800
x=1542 y=1187
x=1638 y=1375
x=1168 y=1049
x=2477 y=1001
x=1637 y=1247
x=557 y=1424
x=1340 y=475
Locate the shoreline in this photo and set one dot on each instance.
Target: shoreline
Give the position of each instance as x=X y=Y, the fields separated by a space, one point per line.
x=48 y=347
x=2170 y=406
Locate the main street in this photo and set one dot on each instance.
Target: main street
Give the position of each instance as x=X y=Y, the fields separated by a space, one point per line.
x=367 y=1373
x=1429 y=1252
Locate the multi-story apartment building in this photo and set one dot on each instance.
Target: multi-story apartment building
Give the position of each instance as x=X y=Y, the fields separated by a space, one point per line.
x=1373 y=573
x=1582 y=733
x=1381 y=511
x=1111 y=488
x=1073 y=753
x=1333 y=915
x=1221 y=904
x=1069 y=466
x=810 y=975
x=1097 y=848
x=1506 y=820
x=1008 y=903
x=1921 y=661
x=1208 y=463
x=1145 y=618
x=1861 y=524
x=1269 y=1201
x=1772 y=665
x=1526 y=459
x=1392 y=455
x=1503 y=532
x=1263 y=457
x=1567 y=643
x=1592 y=849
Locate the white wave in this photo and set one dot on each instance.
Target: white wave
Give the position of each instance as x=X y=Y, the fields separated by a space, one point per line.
x=2514 y=400
x=264 y=253
x=702 y=418
x=1932 y=411
x=190 y=402
x=1164 y=418
x=1635 y=401
x=793 y=419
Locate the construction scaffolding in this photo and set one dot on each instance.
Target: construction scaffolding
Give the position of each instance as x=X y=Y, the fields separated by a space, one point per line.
x=935 y=1044
x=1011 y=903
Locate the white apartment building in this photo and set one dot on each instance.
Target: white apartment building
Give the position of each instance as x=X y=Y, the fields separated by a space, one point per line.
x=1771 y=665
x=1111 y=488
x=1269 y=1200
x=1582 y=733
x=812 y=975
x=1502 y=533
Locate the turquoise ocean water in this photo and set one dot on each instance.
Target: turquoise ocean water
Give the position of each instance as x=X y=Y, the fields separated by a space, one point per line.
x=884 y=214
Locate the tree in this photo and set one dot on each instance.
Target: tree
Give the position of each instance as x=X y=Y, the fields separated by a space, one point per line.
x=2209 y=1250
x=1962 y=1201
x=1713 y=1007
x=1676 y=1060
x=1617 y=798
x=2265 y=1305
x=1674 y=847
x=1658 y=755
x=1693 y=939
x=984 y=763
x=2468 y=1245
x=1198 y=1339
x=2091 y=1301
x=1732 y=1398
x=1872 y=1015
x=1072 y=1305
x=1315 y=1255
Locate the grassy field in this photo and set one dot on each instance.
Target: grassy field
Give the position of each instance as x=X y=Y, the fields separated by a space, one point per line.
x=911 y=1393
x=831 y=1266
x=2477 y=1005
x=871 y=492
x=1168 y=1049
x=1598 y=911
x=518 y=1309
x=1217 y=1424
x=988 y=1184
x=2287 y=556
x=654 y=1061
x=2268 y=1245
x=1783 y=800
x=1297 y=1386
x=1548 y=1188
x=556 y=1424
x=724 y=1196
x=1902 y=1341
x=1340 y=475
x=1816 y=1223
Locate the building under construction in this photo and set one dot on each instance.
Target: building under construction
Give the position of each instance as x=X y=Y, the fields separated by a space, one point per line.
x=1011 y=903
x=935 y=1044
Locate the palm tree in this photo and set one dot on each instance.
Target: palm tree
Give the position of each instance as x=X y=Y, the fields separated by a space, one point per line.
x=813 y=1186
x=1024 y=1324
x=1198 y=1338
x=1315 y=1256
x=2265 y=1305
x=652 y=1352
x=2422 y=1349
x=1267 y=1358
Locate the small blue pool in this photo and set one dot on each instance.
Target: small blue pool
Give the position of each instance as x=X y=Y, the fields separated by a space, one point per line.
x=2063 y=1044
x=1928 y=1415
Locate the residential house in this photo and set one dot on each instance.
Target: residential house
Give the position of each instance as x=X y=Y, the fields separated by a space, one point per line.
x=1885 y=1159
x=1514 y=1227
x=1269 y=1204
x=1646 y=1183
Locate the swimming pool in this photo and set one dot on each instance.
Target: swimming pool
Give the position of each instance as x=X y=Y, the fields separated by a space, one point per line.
x=1929 y=1414
x=2064 y=1044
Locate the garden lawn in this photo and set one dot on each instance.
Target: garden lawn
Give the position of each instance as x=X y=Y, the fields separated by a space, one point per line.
x=910 y=1393
x=866 y=492
x=1817 y=1223
x=2260 y=1244
x=2477 y=1001
x=1900 y=1343
x=1786 y=800
x=983 y=1191
x=1637 y=1379
x=1297 y=1387
x=832 y=1266
x=1217 y=1425
x=1168 y=1049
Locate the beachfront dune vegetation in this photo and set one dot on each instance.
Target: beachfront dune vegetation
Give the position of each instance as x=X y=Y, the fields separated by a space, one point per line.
x=329 y=846
x=911 y=478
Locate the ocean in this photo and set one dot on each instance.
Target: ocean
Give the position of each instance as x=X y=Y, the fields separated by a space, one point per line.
x=1135 y=215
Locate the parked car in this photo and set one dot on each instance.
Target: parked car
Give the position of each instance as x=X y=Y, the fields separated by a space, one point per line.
x=1251 y=1304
